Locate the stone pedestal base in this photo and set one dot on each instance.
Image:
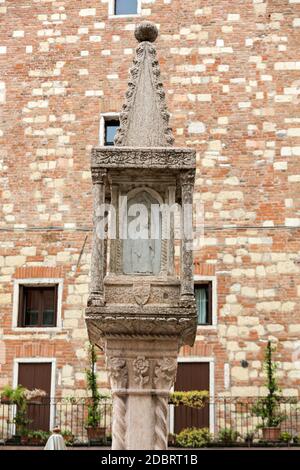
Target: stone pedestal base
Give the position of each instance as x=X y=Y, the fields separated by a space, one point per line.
x=142 y=371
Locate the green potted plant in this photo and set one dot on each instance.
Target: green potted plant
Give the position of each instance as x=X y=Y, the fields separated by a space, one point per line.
x=25 y=438
x=21 y=418
x=16 y=396
x=7 y=395
x=94 y=431
x=268 y=408
x=228 y=436
x=37 y=438
x=68 y=436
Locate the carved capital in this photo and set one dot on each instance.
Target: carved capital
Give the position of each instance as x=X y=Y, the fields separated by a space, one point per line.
x=187 y=178
x=117 y=370
x=98 y=175
x=164 y=372
x=141 y=371
x=95 y=299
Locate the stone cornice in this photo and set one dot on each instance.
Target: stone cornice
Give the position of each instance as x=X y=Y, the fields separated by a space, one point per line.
x=156 y=157
x=151 y=310
x=106 y=322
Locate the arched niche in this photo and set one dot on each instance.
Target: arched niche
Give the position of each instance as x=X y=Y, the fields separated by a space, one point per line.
x=143 y=228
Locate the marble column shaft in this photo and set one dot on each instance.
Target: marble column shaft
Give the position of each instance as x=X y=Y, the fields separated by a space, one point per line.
x=141 y=378
x=97 y=258
x=187 y=186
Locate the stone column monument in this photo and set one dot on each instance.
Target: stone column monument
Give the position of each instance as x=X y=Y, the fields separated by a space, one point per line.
x=140 y=310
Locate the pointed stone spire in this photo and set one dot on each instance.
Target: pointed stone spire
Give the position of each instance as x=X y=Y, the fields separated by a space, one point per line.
x=144 y=119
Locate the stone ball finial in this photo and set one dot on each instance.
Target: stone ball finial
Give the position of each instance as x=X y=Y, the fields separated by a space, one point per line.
x=146 y=31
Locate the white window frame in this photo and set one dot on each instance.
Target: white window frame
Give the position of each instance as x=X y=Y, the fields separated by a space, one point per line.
x=198 y=279
x=111 y=10
x=34 y=282
x=211 y=362
x=105 y=117
x=37 y=360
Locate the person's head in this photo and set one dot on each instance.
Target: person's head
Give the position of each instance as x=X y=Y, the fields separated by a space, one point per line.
x=56 y=430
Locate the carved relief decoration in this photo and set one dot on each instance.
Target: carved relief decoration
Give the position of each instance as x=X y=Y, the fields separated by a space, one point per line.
x=141 y=293
x=98 y=175
x=164 y=372
x=164 y=375
x=141 y=369
x=118 y=157
x=156 y=324
x=188 y=177
x=117 y=371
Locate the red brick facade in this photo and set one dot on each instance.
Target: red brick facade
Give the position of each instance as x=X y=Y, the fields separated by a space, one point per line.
x=231 y=74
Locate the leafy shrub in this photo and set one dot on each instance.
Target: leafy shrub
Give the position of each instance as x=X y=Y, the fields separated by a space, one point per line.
x=194 y=437
x=38 y=436
x=193 y=399
x=18 y=396
x=68 y=436
x=7 y=393
x=228 y=436
x=286 y=437
x=15 y=395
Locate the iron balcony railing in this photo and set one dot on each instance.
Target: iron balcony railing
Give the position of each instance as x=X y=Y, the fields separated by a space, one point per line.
x=235 y=413
x=69 y=414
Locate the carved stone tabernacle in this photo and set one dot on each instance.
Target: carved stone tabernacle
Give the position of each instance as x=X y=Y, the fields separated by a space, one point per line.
x=140 y=309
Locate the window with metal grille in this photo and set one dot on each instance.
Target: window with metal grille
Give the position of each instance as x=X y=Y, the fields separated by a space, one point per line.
x=203 y=295
x=37 y=306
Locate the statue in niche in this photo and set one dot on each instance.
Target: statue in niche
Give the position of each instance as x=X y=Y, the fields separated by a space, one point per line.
x=142 y=247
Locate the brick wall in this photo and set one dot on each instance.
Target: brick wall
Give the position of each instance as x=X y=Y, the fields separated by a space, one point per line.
x=231 y=73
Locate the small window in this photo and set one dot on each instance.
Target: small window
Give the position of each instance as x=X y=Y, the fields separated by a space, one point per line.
x=37 y=306
x=110 y=129
x=203 y=295
x=126 y=7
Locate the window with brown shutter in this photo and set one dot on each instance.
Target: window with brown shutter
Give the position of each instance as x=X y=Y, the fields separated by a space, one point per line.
x=37 y=306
